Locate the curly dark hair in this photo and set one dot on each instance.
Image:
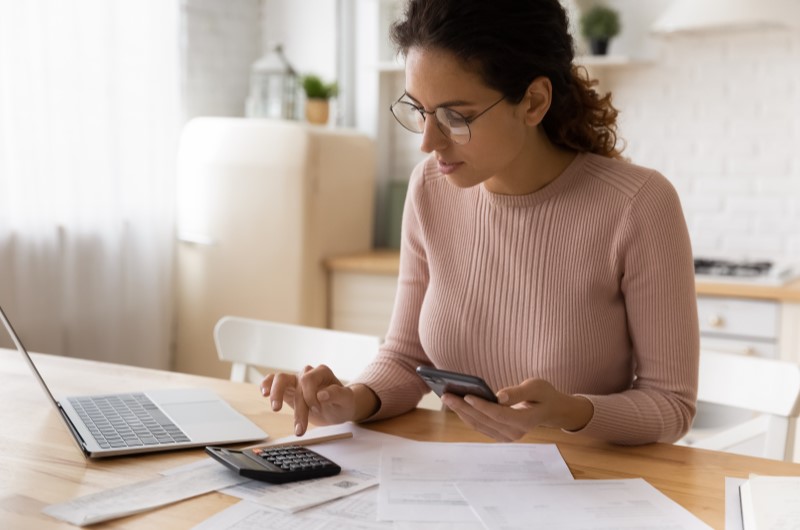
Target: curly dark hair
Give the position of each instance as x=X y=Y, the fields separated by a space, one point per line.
x=509 y=43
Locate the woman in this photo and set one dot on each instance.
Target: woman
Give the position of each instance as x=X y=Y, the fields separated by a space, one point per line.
x=532 y=255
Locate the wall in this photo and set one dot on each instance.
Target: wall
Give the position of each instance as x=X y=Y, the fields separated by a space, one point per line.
x=719 y=115
x=221 y=39
x=307 y=30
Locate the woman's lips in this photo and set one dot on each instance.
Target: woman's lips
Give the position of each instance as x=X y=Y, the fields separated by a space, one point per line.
x=447 y=168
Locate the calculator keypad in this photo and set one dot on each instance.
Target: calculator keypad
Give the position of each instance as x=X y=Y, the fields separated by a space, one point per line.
x=275 y=464
x=293 y=458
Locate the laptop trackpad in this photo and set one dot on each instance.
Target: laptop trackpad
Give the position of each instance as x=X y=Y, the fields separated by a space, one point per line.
x=198 y=412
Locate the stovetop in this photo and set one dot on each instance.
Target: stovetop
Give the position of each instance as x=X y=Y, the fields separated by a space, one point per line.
x=745 y=271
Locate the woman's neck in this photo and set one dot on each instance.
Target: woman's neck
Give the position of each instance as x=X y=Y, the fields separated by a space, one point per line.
x=539 y=163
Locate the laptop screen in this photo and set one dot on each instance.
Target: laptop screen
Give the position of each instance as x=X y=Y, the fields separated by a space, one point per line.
x=24 y=352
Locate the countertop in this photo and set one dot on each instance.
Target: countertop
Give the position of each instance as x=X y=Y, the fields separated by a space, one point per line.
x=387 y=262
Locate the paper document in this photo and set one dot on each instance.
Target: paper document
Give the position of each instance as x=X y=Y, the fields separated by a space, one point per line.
x=295 y=496
x=770 y=502
x=417 y=480
x=356 y=512
x=144 y=495
x=733 y=503
x=362 y=452
x=577 y=505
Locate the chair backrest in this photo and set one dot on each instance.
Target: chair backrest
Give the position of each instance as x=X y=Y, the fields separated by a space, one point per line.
x=767 y=387
x=250 y=343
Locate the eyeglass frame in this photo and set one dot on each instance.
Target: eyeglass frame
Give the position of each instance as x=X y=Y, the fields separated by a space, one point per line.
x=423 y=112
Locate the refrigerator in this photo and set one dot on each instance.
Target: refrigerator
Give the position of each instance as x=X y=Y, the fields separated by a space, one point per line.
x=261 y=204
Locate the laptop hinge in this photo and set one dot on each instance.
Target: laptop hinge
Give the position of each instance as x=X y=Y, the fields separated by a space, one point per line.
x=76 y=436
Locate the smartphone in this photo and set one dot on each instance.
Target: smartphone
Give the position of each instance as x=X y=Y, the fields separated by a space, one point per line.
x=442 y=381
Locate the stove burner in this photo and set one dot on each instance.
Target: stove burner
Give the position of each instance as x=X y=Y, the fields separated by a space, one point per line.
x=742 y=269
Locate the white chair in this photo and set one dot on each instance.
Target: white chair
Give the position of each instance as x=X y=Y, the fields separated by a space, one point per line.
x=764 y=396
x=250 y=343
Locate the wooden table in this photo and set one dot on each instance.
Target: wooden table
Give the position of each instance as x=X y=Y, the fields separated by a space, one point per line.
x=40 y=464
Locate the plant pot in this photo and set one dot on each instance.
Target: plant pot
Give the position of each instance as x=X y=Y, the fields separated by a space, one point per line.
x=599 y=46
x=317 y=111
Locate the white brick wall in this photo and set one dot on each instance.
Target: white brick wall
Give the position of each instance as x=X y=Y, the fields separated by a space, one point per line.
x=221 y=39
x=719 y=115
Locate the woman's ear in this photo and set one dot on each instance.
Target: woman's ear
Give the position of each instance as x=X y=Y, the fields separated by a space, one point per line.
x=537 y=100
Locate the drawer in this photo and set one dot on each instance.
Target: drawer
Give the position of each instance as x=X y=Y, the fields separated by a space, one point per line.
x=737 y=317
x=766 y=349
x=362 y=303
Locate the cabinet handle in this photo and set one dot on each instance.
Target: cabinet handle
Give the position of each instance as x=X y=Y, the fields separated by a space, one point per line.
x=716 y=321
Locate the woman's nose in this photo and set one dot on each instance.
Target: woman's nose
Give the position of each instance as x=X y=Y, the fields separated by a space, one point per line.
x=433 y=139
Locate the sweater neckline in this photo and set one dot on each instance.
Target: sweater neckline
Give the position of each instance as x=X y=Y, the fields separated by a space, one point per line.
x=539 y=196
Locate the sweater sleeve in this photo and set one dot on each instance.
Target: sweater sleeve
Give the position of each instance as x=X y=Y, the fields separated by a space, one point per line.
x=655 y=257
x=392 y=375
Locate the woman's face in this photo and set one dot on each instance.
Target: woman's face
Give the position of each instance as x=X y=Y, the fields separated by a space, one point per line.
x=496 y=151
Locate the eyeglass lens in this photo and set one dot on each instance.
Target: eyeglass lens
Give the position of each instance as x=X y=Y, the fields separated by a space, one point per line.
x=450 y=122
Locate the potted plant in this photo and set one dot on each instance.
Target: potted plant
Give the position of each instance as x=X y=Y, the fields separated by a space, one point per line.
x=599 y=24
x=317 y=95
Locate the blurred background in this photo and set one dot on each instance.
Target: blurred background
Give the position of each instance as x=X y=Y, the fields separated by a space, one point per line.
x=158 y=169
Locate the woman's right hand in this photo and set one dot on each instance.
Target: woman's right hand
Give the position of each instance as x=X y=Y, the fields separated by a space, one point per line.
x=317 y=395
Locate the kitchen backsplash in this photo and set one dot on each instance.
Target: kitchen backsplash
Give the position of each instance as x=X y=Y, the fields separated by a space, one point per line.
x=719 y=115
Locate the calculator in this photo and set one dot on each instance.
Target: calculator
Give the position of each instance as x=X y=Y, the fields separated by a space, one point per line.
x=276 y=464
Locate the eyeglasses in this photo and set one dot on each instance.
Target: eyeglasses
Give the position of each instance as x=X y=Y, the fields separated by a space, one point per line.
x=452 y=124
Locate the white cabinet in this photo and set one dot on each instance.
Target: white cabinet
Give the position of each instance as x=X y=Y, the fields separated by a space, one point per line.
x=361 y=302
x=362 y=291
x=745 y=326
x=737 y=325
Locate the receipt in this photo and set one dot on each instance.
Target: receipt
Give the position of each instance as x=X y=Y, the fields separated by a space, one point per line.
x=295 y=496
x=145 y=495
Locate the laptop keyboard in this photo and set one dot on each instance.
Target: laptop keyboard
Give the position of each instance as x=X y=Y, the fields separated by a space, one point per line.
x=126 y=420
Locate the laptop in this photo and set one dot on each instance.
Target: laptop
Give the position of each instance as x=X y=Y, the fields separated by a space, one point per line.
x=147 y=421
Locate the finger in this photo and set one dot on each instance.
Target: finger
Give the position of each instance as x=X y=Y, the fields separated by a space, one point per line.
x=497 y=421
x=531 y=390
x=266 y=385
x=280 y=383
x=510 y=423
x=482 y=427
x=336 y=403
x=300 y=406
x=310 y=382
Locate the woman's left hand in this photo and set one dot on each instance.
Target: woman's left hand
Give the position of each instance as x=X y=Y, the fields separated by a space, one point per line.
x=521 y=408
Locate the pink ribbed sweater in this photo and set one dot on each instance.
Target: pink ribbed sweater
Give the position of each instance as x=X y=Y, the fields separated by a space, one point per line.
x=587 y=283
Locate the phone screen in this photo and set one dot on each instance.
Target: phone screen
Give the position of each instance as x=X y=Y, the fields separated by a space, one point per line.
x=442 y=381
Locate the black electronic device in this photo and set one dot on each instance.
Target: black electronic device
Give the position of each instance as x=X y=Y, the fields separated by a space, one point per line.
x=276 y=464
x=442 y=381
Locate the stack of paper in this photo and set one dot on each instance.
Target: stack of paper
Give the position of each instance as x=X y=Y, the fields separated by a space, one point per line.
x=514 y=486
x=770 y=502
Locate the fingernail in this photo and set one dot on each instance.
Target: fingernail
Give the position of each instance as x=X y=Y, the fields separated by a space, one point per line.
x=298 y=429
x=502 y=397
x=274 y=405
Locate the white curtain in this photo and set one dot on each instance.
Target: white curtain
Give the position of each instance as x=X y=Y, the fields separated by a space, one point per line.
x=89 y=119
